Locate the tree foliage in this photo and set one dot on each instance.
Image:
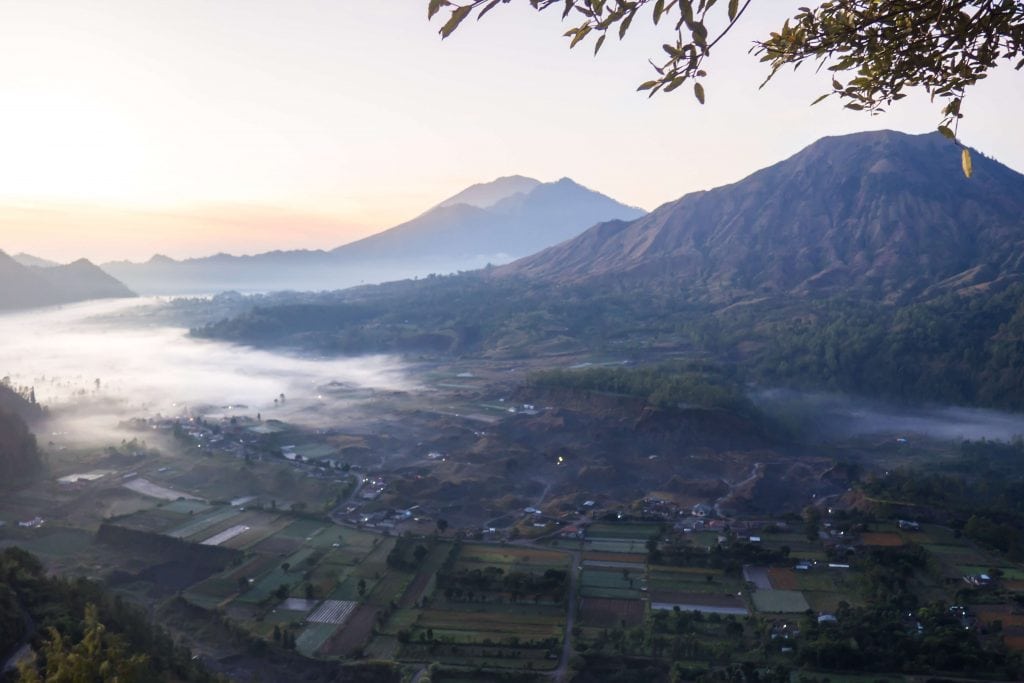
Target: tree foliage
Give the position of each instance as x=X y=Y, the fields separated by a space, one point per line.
x=875 y=49
x=98 y=656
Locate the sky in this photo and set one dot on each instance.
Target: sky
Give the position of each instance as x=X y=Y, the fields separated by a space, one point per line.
x=134 y=127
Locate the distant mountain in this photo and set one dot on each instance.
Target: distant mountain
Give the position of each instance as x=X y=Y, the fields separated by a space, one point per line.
x=23 y=287
x=883 y=213
x=515 y=225
x=492 y=222
x=34 y=261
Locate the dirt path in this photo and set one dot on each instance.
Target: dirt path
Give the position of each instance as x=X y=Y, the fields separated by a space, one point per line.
x=754 y=474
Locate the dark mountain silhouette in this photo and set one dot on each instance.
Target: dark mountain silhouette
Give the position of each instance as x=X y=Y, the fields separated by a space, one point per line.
x=24 y=287
x=881 y=212
x=488 y=223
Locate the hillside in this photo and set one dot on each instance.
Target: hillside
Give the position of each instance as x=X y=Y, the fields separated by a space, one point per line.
x=883 y=213
x=23 y=287
x=894 y=277
x=492 y=222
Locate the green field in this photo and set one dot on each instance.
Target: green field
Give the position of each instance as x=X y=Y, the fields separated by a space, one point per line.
x=640 y=532
x=790 y=602
x=611 y=583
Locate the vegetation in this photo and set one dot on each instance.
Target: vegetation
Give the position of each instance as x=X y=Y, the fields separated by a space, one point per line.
x=91 y=635
x=667 y=385
x=952 y=348
x=981 y=493
x=879 y=49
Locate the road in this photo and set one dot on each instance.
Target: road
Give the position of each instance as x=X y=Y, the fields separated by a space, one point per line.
x=337 y=512
x=559 y=673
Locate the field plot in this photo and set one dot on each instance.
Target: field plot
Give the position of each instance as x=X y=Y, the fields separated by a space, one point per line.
x=882 y=539
x=212 y=592
x=390 y=588
x=313 y=637
x=54 y=542
x=494 y=625
x=691 y=580
x=608 y=612
x=353 y=635
x=640 y=532
x=954 y=555
x=187 y=507
x=528 y=558
x=148 y=488
x=333 y=612
x=780 y=601
x=298 y=605
x=226 y=535
x=156 y=520
x=598 y=556
x=782 y=578
x=302 y=530
x=611 y=583
x=197 y=525
x=699 y=602
x=425 y=579
x=615 y=545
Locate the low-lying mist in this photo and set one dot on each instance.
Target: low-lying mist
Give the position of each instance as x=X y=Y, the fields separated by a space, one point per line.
x=92 y=373
x=829 y=417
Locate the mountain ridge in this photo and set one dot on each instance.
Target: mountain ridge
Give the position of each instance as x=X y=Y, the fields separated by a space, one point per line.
x=24 y=287
x=881 y=212
x=446 y=238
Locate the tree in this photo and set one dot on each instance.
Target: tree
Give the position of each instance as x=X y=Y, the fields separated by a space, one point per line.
x=442 y=524
x=98 y=656
x=875 y=49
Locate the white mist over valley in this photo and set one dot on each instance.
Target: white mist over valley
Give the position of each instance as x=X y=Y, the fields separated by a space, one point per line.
x=82 y=365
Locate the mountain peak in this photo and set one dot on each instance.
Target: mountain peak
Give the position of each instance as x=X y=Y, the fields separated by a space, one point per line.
x=881 y=212
x=486 y=195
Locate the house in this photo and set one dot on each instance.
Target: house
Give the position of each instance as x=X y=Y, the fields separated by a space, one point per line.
x=908 y=525
x=701 y=510
x=827 y=619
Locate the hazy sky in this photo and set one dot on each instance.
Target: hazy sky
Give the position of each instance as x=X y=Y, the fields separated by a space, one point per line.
x=129 y=127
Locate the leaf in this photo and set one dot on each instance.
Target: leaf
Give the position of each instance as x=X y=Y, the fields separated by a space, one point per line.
x=599 y=43
x=581 y=33
x=965 y=162
x=698 y=90
x=820 y=98
x=491 y=5
x=659 y=8
x=458 y=14
x=734 y=8
x=434 y=7
x=947 y=133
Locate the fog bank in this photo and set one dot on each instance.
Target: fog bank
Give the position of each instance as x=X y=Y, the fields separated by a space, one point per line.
x=826 y=416
x=82 y=365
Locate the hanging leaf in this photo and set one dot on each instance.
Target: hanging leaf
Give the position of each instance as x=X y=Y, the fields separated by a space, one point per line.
x=965 y=162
